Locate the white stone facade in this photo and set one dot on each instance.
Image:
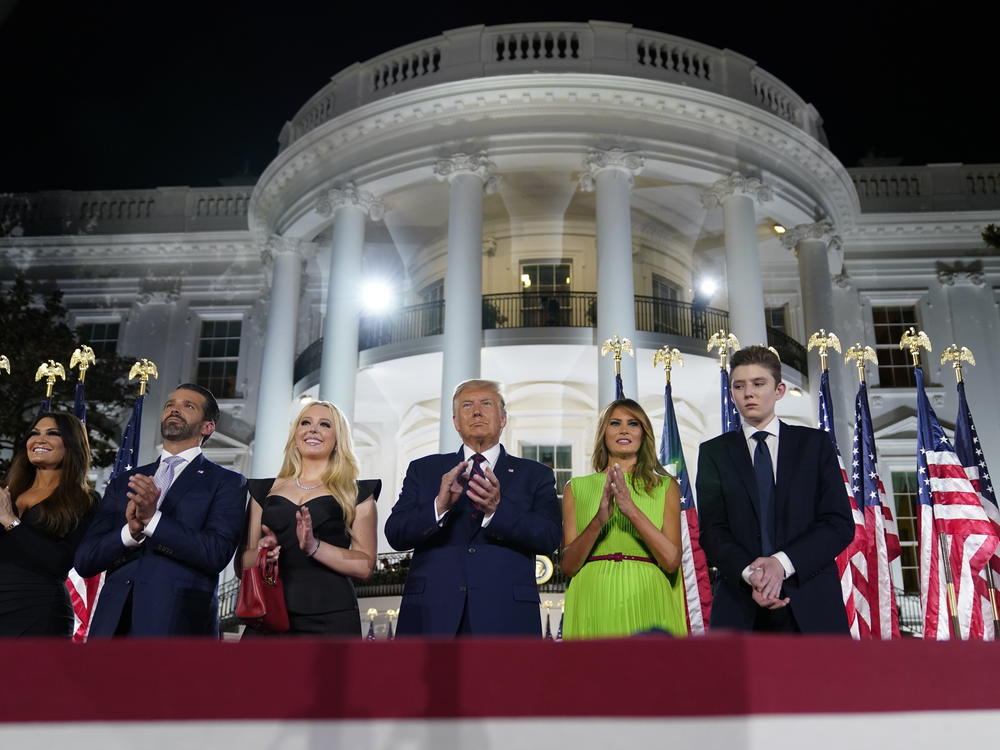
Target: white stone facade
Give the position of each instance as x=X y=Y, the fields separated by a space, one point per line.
x=636 y=160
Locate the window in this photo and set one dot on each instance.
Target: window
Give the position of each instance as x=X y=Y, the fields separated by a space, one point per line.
x=666 y=315
x=776 y=318
x=219 y=356
x=432 y=309
x=545 y=299
x=559 y=458
x=905 y=494
x=895 y=369
x=101 y=337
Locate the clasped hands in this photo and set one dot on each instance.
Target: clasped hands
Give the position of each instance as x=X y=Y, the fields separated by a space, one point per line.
x=766 y=576
x=142 y=495
x=616 y=493
x=483 y=490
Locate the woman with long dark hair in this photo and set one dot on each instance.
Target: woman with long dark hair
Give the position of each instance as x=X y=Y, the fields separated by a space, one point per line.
x=622 y=535
x=319 y=521
x=45 y=509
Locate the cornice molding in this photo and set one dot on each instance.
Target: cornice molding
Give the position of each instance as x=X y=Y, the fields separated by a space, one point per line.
x=435 y=110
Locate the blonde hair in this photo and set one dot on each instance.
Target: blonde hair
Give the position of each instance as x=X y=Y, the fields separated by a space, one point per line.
x=341 y=474
x=648 y=473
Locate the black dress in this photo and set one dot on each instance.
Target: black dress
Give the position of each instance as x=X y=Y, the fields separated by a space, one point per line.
x=33 y=568
x=320 y=601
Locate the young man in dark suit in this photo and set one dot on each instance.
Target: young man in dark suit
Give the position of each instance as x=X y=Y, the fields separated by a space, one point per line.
x=164 y=532
x=475 y=520
x=773 y=512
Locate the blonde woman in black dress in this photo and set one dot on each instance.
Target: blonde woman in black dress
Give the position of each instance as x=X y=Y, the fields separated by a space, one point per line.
x=319 y=521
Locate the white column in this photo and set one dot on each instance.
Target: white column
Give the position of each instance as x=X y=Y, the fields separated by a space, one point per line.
x=338 y=371
x=736 y=194
x=975 y=324
x=812 y=245
x=610 y=174
x=275 y=394
x=467 y=176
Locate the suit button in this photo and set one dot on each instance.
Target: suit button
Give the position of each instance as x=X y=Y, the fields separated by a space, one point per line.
x=128 y=581
x=463 y=589
x=472 y=549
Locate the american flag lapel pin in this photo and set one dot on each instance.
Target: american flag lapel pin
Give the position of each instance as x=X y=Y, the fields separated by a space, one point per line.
x=201 y=471
x=510 y=471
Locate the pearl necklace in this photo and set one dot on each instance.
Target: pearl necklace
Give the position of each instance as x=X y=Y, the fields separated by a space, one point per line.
x=303 y=487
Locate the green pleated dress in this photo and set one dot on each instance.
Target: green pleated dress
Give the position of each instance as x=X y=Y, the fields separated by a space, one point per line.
x=614 y=599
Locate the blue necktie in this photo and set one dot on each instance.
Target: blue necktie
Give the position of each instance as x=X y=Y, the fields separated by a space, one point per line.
x=764 y=471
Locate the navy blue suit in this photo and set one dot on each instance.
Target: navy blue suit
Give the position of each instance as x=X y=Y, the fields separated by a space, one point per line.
x=458 y=566
x=813 y=524
x=173 y=576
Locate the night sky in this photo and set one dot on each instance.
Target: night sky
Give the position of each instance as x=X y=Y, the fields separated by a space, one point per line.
x=100 y=95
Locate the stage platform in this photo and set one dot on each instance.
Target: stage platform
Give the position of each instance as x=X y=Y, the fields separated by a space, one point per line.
x=721 y=691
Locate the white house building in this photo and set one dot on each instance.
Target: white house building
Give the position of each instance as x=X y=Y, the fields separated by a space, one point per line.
x=523 y=193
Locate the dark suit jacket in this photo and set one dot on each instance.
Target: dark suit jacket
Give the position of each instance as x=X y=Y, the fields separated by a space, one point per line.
x=812 y=516
x=459 y=564
x=172 y=576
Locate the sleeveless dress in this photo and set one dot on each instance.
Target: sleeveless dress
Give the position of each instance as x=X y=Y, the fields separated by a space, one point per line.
x=320 y=601
x=608 y=598
x=33 y=568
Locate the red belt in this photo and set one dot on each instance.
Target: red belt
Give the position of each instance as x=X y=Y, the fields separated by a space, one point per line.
x=618 y=557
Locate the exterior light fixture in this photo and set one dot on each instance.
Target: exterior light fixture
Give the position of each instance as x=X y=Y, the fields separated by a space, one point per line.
x=779 y=229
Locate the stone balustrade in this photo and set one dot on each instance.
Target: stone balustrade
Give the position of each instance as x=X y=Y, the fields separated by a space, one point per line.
x=172 y=209
x=593 y=47
x=935 y=187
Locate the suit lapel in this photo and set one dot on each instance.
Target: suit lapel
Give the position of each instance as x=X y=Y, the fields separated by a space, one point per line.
x=187 y=481
x=788 y=456
x=740 y=457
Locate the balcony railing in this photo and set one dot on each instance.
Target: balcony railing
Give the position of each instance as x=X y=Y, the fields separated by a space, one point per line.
x=547 y=310
x=594 y=47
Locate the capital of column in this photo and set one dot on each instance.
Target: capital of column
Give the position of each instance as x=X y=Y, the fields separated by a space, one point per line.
x=820 y=230
x=158 y=291
x=350 y=195
x=599 y=160
x=478 y=165
x=271 y=245
x=735 y=184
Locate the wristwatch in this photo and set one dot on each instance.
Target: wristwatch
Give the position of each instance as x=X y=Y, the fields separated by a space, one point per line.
x=12 y=525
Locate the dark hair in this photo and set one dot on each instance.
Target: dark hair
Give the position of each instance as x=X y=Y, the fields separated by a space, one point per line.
x=211 y=412
x=648 y=473
x=757 y=355
x=61 y=511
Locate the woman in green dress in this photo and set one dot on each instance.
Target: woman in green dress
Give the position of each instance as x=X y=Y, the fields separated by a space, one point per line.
x=622 y=535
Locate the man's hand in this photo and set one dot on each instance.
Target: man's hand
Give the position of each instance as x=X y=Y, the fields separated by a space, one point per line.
x=484 y=492
x=767 y=575
x=144 y=493
x=452 y=486
x=135 y=526
x=769 y=603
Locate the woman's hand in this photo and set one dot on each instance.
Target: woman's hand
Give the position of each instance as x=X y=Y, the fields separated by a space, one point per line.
x=606 y=506
x=6 y=508
x=269 y=542
x=304 y=531
x=622 y=494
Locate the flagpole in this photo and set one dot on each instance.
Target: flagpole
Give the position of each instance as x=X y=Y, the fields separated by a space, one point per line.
x=955 y=355
x=725 y=343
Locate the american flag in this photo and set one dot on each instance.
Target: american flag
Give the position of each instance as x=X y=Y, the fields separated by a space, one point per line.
x=694 y=566
x=127 y=457
x=970 y=453
x=79 y=402
x=730 y=414
x=875 y=599
x=844 y=567
x=619 y=388
x=950 y=516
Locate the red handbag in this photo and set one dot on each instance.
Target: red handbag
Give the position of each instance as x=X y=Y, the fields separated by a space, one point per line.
x=261 y=604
